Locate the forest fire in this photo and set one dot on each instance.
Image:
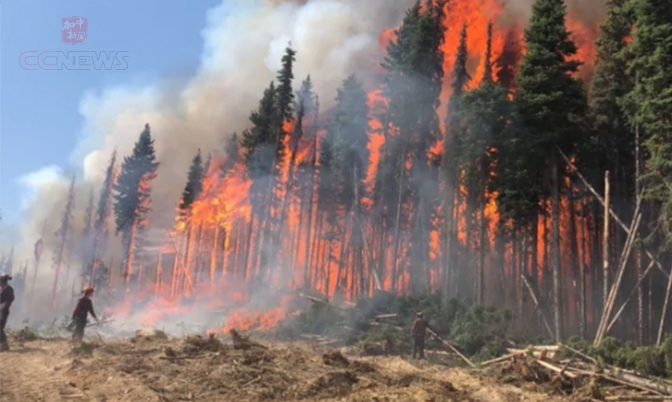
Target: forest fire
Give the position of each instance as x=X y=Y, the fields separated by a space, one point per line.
x=222 y=237
x=405 y=204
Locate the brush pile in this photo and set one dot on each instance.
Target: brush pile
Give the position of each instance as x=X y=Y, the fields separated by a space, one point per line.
x=568 y=371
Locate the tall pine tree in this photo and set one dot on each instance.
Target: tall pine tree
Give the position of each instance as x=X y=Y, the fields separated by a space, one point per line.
x=194 y=186
x=132 y=196
x=552 y=106
x=486 y=111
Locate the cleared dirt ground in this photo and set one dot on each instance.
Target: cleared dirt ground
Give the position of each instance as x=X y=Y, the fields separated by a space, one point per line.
x=153 y=368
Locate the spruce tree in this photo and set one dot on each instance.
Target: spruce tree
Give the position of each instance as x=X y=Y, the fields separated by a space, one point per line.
x=284 y=103
x=132 y=196
x=508 y=60
x=349 y=132
x=259 y=145
x=612 y=143
x=486 y=111
x=232 y=154
x=194 y=186
x=552 y=106
x=648 y=104
x=451 y=161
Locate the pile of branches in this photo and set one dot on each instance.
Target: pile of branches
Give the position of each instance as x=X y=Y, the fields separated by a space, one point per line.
x=573 y=371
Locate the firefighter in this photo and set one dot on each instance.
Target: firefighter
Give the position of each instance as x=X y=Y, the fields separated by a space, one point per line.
x=79 y=316
x=6 y=300
x=418 y=333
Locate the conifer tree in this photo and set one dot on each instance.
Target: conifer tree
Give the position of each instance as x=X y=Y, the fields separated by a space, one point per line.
x=98 y=276
x=508 y=60
x=450 y=159
x=648 y=103
x=552 y=106
x=349 y=130
x=613 y=146
x=132 y=196
x=258 y=144
x=284 y=103
x=232 y=153
x=650 y=110
x=194 y=186
x=486 y=111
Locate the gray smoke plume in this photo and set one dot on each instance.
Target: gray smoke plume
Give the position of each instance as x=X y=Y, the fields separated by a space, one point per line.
x=244 y=41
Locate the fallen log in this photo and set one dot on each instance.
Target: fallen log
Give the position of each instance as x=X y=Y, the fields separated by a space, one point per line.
x=630 y=379
x=551 y=352
x=501 y=359
x=385 y=316
x=560 y=370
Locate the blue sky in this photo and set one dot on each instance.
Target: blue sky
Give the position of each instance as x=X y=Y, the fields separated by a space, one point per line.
x=39 y=110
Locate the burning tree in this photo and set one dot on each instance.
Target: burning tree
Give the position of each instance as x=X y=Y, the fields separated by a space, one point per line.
x=133 y=198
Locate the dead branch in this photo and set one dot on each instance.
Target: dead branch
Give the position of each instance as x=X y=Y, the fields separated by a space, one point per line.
x=451 y=347
x=611 y=211
x=536 y=303
x=625 y=255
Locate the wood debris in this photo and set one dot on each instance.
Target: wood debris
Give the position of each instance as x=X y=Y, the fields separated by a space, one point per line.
x=562 y=362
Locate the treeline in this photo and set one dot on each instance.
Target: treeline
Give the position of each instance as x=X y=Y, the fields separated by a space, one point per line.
x=538 y=192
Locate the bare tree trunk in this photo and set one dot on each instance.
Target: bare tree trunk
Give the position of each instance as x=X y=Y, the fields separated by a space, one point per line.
x=130 y=253
x=663 y=315
x=213 y=254
x=481 y=253
x=638 y=257
x=557 y=285
x=158 y=283
x=397 y=220
x=605 y=241
x=575 y=257
x=582 y=273
x=248 y=262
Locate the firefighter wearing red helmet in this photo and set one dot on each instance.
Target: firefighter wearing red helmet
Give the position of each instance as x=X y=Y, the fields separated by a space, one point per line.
x=83 y=308
x=6 y=300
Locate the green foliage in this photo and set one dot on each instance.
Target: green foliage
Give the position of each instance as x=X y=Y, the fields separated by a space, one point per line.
x=551 y=107
x=648 y=104
x=648 y=360
x=194 y=186
x=482 y=330
x=259 y=141
x=479 y=331
x=347 y=138
x=132 y=191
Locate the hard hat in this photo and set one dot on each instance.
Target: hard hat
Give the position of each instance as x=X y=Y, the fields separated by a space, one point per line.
x=87 y=290
x=5 y=277
x=419 y=314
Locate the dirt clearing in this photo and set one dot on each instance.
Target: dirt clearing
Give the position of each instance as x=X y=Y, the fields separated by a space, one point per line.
x=151 y=367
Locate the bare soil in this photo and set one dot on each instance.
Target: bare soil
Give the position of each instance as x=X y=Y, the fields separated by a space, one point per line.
x=151 y=367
